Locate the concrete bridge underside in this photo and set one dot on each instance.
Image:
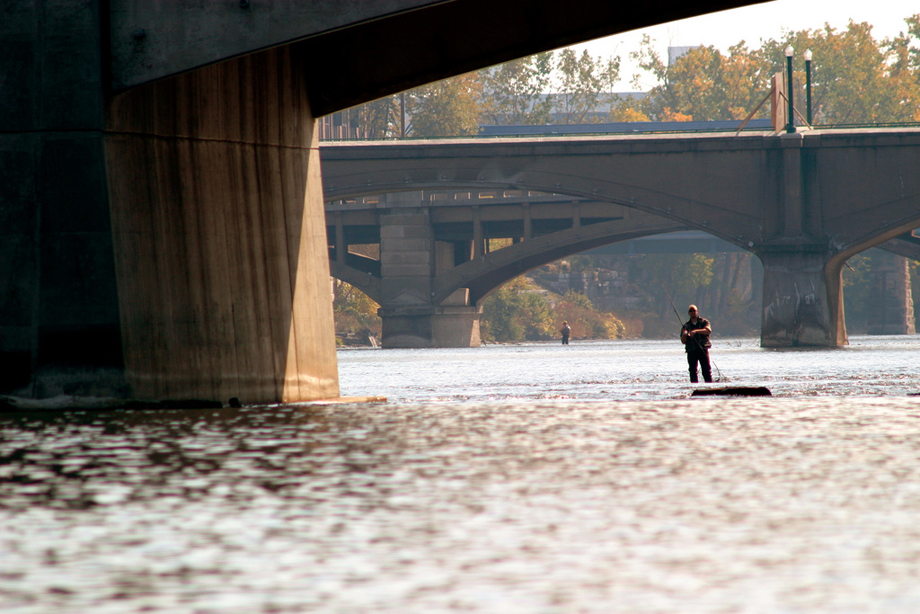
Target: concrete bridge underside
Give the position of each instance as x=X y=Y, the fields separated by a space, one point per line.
x=803 y=203
x=160 y=186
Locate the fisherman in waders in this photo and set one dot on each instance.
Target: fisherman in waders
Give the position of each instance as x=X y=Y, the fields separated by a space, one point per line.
x=566 y=330
x=695 y=337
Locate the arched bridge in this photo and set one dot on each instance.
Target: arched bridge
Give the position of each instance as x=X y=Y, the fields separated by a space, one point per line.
x=803 y=203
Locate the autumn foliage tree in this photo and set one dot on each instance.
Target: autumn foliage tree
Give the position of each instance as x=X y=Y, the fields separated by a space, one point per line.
x=855 y=78
x=446 y=108
x=516 y=312
x=585 y=320
x=380 y=118
x=354 y=311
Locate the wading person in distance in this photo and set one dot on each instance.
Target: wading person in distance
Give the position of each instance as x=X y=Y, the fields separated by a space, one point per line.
x=695 y=337
x=566 y=330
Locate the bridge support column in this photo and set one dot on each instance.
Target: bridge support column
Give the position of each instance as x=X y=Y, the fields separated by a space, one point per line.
x=443 y=326
x=59 y=325
x=891 y=306
x=220 y=237
x=409 y=259
x=166 y=243
x=802 y=298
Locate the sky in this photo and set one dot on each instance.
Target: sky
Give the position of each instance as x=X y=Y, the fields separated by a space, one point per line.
x=752 y=25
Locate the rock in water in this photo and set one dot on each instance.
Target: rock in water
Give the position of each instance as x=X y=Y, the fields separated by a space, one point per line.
x=733 y=391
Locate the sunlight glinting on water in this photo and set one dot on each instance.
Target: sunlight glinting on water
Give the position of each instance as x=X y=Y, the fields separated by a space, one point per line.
x=625 y=370
x=514 y=479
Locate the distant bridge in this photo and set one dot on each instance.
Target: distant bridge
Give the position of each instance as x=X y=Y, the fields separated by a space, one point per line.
x=803 y=203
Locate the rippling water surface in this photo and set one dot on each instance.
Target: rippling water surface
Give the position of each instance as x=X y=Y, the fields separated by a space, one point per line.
x=503 y=479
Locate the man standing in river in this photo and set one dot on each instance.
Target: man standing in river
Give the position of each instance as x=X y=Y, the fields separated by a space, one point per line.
x=695 y=337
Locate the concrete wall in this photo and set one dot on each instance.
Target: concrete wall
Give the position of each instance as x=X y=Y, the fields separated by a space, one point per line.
x=58 y=300
x=220 y=236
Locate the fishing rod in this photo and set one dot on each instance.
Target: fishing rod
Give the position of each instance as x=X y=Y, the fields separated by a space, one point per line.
x=674 y=307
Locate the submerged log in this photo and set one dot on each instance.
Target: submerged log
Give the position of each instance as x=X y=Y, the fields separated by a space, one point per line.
x=733 y=391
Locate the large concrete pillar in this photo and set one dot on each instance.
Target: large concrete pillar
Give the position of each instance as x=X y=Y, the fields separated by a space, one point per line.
x=59 y=323
x=167 y=243
x=409 y=260
x=802 y=298
x=891 y=306
x=440 y=326
x=220 y=236
x=802 y=289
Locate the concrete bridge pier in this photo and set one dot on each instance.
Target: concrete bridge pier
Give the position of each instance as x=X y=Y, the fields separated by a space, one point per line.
x=408 y=266
x=891 y=304
x=802 y=297
x=167 y=242
x=219 y=234
x=442 y=326
x=802 y=289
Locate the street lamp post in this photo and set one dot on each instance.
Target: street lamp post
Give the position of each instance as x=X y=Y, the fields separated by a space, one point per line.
x=807 y=56
x=790 y=120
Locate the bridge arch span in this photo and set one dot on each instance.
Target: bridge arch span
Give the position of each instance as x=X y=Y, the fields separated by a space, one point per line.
x=724 y=185
x=878 y=236
x=364 y=281
x=672 y=211
x=485 y=274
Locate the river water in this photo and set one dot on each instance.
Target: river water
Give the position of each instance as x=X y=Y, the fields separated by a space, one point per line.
x=529 y=478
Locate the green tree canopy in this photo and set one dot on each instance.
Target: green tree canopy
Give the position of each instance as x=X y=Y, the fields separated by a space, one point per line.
x=515 y=312
x=584 y=84
x=681 y=276
x=446 y=108
x=354 y=311
x=513 y=92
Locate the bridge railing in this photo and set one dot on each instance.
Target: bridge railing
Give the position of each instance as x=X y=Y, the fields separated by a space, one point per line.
x=628 y=128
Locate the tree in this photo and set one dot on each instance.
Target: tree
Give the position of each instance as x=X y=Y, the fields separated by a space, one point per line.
x=849 y=73
x=514 y=92
x=584 y=84
x=855 y=78
x=353 y=310
x=587 y=322
x=380 y=118
x=904 y=69
x=446 y=108
x=626 y=110
x=515 y=312
x=666 y=277
x=856 y=289
x=703 y=84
